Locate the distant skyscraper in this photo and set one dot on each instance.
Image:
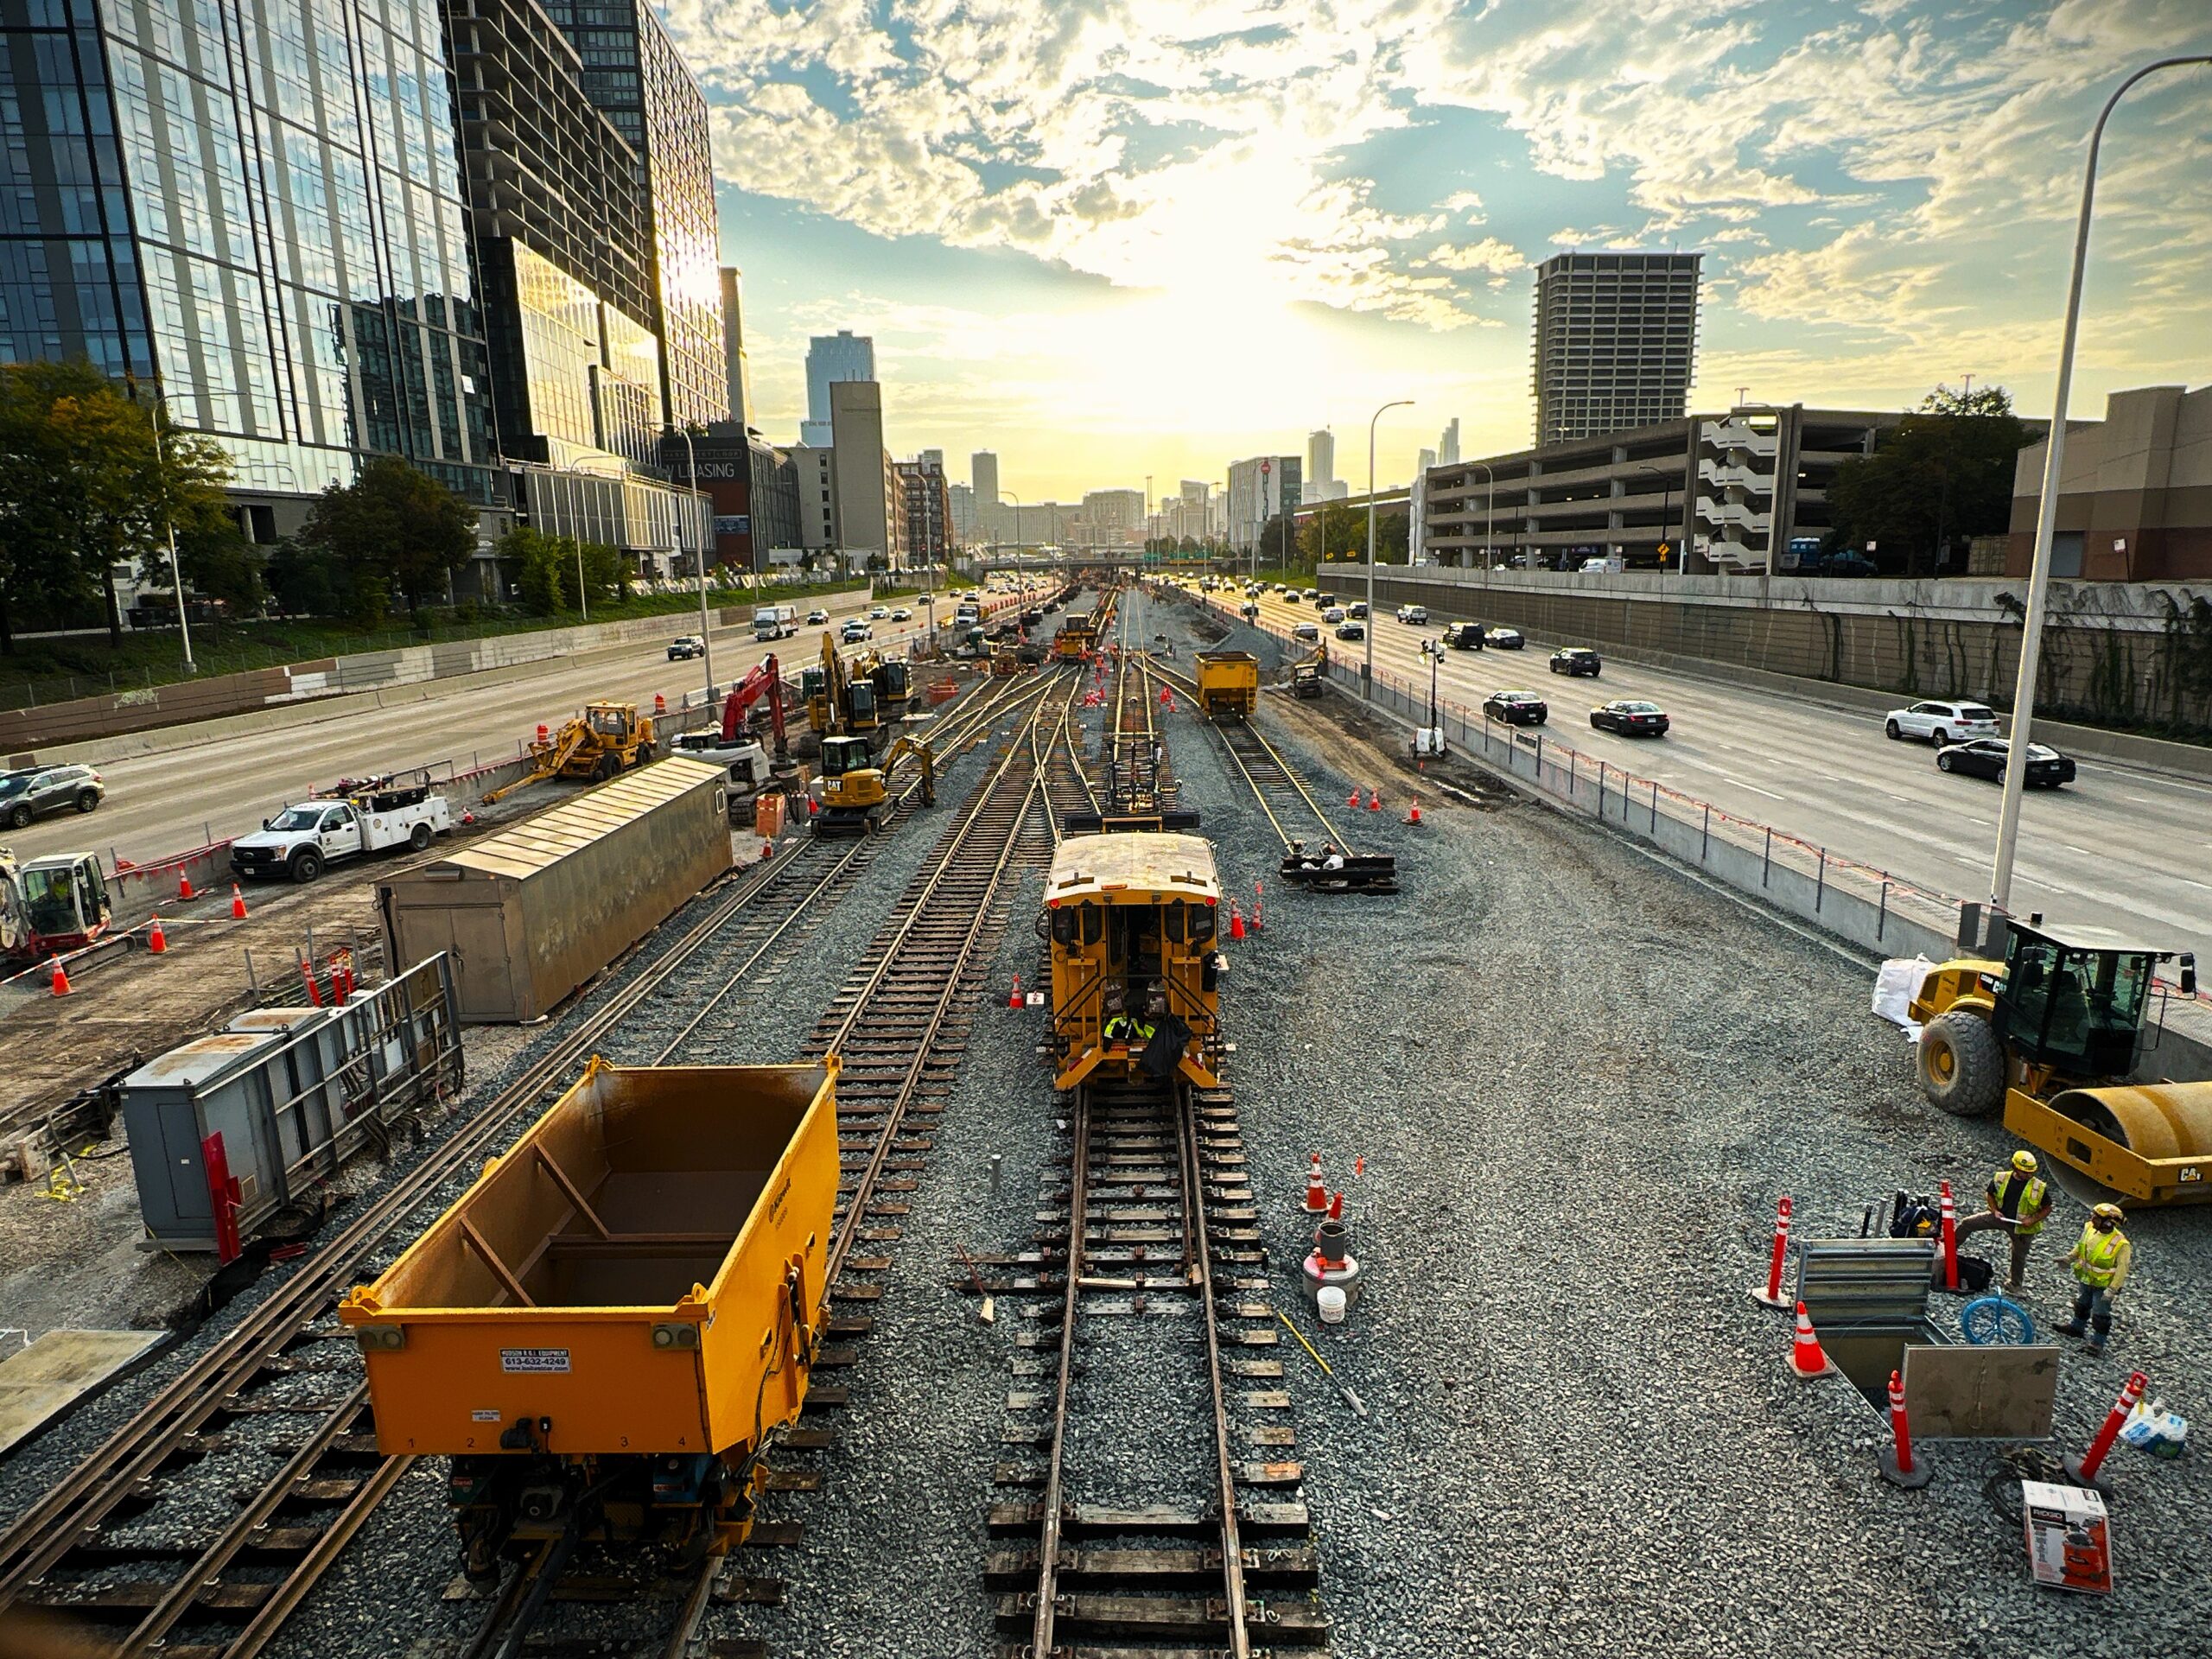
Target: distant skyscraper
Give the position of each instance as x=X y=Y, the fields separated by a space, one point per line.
x=1616 y=341
x=1447 y=446
x=962 y=499
x=737 y=369
x=1429 y=458
x=830 y=359
x=871 y=501
x=1258 y=490
x=1321 y=465
x=983 y=472
x=632 y=74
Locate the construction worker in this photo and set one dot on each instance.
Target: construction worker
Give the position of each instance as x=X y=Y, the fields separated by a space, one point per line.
x=2019 y=1204
x=2101 y=1260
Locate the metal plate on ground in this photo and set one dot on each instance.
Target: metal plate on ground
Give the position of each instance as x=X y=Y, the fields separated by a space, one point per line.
x=1980 y=1394
x=47 y=1377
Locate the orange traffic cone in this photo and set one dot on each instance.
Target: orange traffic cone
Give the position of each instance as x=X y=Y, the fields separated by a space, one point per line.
x=1316 y=1192
x=1374 y=800
x=184 y=892
x=1014 y=997
x=61 y=979
x=237 y=903
x=1236 y=923
x=1413 y=813
x=767 y=849
x=156 y=941
x=1807 y=1357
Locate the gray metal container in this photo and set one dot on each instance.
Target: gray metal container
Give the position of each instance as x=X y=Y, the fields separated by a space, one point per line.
x=294 y=1093
x=533 y=912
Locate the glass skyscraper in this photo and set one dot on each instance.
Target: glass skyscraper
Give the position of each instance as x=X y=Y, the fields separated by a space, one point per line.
x=258 y=202
x=830 y=359
x=632 y=73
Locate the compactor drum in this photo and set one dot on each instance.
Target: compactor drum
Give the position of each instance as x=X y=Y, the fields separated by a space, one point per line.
x=2051 y=1033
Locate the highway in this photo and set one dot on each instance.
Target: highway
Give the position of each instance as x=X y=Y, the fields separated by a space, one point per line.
x=169 y=802
x=2117 y=848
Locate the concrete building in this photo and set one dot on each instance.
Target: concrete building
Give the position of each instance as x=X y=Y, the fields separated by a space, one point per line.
x=1260 y=489
x=1616 y=342
x=983 y=477
x=961 y=499
x=2134 y=492
x=1447 y=445
x=1741 y=485
x=926 y=502
x=1114 y=514
x=737 y=368
x=1417 y=499
x=815 y=475
x=871 y=505
x=830 y=359
x=753 y=487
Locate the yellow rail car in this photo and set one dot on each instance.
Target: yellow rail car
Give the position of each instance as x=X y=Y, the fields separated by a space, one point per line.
x=1132 y=922
x=606 y=1328
x=1228 y=684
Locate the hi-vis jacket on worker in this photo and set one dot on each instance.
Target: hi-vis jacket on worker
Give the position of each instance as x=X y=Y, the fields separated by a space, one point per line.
x=2100 y=1259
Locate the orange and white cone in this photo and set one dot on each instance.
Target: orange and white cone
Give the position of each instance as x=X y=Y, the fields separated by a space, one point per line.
x=1413 y=812
x=237 y=903
x=1374 y=800
x=1807 y=1357
x=1353 y=804
x=184 y=892
x=156 y=941
x=1317 y=1191
x=61 y=978
x=1014 y=997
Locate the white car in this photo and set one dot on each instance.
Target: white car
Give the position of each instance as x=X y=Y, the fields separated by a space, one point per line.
x=856 y=631
x=902 y=615
x=1416 y=614
x=1334 y=613
x=877 y=613
x=1942 y=722
x=817 y=614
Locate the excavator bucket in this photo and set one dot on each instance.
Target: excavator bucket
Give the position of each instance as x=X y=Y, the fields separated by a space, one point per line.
x=2150 y=1142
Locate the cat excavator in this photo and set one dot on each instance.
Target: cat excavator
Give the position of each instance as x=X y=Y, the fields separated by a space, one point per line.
x=855 y=787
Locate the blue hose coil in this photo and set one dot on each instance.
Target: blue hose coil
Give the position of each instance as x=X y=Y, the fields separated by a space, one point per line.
x=1996 y=1321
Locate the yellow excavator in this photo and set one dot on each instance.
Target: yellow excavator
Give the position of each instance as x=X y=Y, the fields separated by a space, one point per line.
x=605 y=738
x=838 y=702
x=2051 y=1033
x=855 y=788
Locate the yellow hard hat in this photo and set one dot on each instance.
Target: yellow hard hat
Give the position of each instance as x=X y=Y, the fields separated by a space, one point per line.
x=2024 y=1161
x=2112 y=1210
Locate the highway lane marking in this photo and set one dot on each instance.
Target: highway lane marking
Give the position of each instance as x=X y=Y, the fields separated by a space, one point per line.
x=1755 y=789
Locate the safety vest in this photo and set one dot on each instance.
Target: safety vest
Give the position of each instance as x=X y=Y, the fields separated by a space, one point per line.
x=2031 y=1196
x=2097 y=1256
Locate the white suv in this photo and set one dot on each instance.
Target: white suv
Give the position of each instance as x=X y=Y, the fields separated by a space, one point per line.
x=1416 y=614
x=1942 y=722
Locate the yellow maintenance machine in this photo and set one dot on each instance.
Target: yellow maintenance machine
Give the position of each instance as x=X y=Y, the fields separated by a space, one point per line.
x=605 y=738
x=2050 y=1032
x=1132 y=922
x=839 y=701
x=855 y=787
x=1229 y=685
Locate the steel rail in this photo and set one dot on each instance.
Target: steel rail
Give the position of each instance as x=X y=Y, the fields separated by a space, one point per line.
x=1273 y=756
x=1050 y=1529
x=1232 y=1545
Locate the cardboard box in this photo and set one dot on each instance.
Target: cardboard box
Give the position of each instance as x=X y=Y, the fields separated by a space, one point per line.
x=2069 y=1546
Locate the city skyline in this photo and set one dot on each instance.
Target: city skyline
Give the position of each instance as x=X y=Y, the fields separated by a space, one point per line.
x=1041 y=229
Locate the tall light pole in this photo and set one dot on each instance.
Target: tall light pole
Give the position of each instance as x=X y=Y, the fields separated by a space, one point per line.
x=706 y=631
x=2024 y=693
x=1666 y=505
x=169 y=528
x=1367 y=668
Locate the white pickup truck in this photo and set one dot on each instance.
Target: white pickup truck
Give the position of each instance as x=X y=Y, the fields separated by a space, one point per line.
x=299 y=842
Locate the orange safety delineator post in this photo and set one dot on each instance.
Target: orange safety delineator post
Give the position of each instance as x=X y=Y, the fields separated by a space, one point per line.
x=1014 y=997
x=1898 y=1466
x=156 y=941
x=61 y=978
x=2084 y=1468
x=237 y=903
x=1807 y=1357
x=1950 y=1240
x=315 y=990
x=184 y=892
x=1772 y=1295
x=1258 y=894
x=1317 y=1191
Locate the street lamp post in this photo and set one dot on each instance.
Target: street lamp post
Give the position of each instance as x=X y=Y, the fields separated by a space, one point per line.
x=1433 y=650
x=1666 y=508
x=706 y=631
x=169 y=529
x=2023 y=694
x=1367 y=667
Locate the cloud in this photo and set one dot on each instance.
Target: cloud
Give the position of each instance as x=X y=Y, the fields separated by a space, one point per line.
x=1490 y=255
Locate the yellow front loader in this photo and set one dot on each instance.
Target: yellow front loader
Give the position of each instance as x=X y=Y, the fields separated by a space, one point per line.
x=605 y=738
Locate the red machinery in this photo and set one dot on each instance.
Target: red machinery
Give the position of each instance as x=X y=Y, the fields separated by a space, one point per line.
x=764 y=681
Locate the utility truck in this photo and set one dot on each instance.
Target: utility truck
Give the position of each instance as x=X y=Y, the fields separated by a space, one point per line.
x=355 y=817
x=771 y=622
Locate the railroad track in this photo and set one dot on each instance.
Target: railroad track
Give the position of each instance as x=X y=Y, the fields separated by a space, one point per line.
x=230 y=1587
x=1275 y=783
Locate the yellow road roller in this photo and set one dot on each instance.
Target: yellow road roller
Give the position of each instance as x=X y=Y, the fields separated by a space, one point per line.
x=2050 y=1032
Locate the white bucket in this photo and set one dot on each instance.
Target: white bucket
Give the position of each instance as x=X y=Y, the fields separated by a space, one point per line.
x=1332 y=1304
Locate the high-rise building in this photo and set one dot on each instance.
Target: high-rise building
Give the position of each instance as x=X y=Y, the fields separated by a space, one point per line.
x=1260 y=490
x=632 y=74
x=984 y=473
x=737 y=368
x=221 y=206
x=871 y=503
x=816 y=473
x=830 y=359
x=1321 y=465
x=1447 y=446
x=961 y=501
x=1616 y=341
x=927 y=503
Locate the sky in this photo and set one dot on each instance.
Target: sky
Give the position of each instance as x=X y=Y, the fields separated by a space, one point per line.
x=1115 y=239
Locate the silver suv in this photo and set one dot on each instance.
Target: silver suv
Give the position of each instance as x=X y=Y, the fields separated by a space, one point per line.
x=37 y=791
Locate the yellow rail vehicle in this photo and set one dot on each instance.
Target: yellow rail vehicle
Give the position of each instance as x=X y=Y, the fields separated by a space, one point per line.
x=607 y=1329
x=1133 y=925
x=1229 y=685
x=1076 y=640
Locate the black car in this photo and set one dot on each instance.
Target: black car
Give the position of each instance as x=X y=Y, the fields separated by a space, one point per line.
x=1576 y=660
x=1629 y=719
x=1351 y=630
x=1985 y=757
x=37 y=791
x=1516 y=707
x=1505 y=639
x=1464 y=636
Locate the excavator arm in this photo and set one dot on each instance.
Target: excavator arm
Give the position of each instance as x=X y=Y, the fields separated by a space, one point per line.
x=767 y=680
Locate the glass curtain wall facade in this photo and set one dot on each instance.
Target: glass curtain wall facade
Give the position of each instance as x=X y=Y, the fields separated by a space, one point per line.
x=633 y=74
x=258 y=202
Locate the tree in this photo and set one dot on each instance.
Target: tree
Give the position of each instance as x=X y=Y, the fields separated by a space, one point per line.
x=392 y=527
x=87 y=485
x=1940 y=474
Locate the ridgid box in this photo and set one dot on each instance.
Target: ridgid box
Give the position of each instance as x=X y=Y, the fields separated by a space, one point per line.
x=2069 y=1545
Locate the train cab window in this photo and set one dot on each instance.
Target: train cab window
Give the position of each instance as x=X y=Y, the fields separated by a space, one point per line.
x=1171 y=920
x=1094 y=923
x=1202 y=924
x=1063 y=926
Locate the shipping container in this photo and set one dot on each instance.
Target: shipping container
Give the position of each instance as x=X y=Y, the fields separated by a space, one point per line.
x=533 y=912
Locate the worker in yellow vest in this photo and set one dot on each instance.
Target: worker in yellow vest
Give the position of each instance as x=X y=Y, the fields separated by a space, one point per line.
x=2101 y=1260
x=2019 y=1203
